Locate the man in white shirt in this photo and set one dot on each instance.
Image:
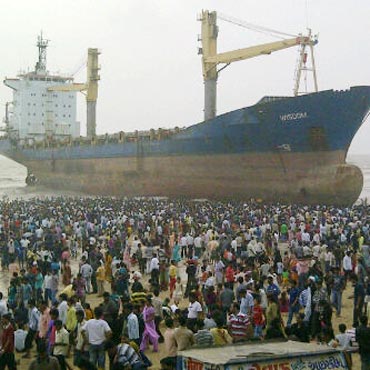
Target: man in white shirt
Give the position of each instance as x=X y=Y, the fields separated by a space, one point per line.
x=184 y=246
x=86 y=272
x=198 y=245
x=154 y=270
x=251 y=248
x=347 y=265
x=190 y=244
x=81 y=347
x=316 y=250
x=194 y=310
x=234 y=245
x=63 y=308
x=134 y=245
x=20 y=340
x=33 y=325
x=306 y=250
x=132 y=324
x=3 y=306
x=306 y=238
x=210 y=282
x=246 y=302
x=39 y=232
x=316 y=238
x=96 y=332
x=60 y=348
x=24 y=242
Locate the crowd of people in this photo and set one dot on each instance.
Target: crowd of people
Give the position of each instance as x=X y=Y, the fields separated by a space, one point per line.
x=92 y=278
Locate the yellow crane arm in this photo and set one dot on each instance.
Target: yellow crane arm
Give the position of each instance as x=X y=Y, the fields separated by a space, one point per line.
x=254 y=51
x=69 y=87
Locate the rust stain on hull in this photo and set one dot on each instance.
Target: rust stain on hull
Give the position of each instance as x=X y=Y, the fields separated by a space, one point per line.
x=298 y=177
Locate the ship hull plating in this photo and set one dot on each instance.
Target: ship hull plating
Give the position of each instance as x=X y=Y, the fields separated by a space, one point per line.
x=311 y=178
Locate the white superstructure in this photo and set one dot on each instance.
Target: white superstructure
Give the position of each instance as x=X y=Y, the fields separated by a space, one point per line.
x=38 y=112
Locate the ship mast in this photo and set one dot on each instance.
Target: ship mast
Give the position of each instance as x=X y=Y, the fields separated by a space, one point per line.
x=90 y=87
x=92 y=91
x=302 y=66
x=211 y=59
x=42 y=45
x=210 y=73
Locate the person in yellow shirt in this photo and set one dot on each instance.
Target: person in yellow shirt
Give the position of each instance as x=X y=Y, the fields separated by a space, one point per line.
x=71 y=320
x=220 y=335
x=88 y=312
x=68 y=291
x=173 y=275
x=100 y=278
x=108 y=266
x=361 y=240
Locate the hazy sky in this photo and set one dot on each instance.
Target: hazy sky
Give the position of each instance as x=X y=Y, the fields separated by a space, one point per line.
x=150 y=72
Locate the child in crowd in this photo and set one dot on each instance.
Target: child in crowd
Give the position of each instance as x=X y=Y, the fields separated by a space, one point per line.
x=179 y=291
x=285 y=278
x=88 y=312
x=284 y=302
x=258 y=317
x=343 y=338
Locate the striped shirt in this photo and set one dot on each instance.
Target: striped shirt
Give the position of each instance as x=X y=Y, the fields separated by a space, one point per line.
x=138 y=297
x=126 y=355
x=238 y=325
x=204 y=338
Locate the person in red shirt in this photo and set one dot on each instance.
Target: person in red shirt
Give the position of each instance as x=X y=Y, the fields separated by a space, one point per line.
x=258 y=317
x=7 y=339
x=230 y=276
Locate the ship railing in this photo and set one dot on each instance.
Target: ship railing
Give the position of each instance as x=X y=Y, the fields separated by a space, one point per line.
x=116 y=138
x=269 y=99
x=122 y=137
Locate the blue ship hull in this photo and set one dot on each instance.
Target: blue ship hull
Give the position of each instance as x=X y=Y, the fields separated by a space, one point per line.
x=290 y=149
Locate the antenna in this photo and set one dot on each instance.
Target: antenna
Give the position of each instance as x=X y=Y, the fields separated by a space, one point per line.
x=307 y=14
x=42 y=44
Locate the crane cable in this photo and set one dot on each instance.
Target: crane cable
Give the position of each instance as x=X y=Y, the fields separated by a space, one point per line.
x=80 y=65
x=251 y=26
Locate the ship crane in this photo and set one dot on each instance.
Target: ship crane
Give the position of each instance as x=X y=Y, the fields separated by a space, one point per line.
x=211 y=58
x=90 y=89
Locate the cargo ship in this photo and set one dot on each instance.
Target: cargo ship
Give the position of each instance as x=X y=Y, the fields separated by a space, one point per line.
x=288 y=149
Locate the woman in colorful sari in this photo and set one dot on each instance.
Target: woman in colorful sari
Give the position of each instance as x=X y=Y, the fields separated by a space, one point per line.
x=79 y=286
x=176 y=252
x=108 y=266
x=67 y=273
x=149 y=334
x=126 y=257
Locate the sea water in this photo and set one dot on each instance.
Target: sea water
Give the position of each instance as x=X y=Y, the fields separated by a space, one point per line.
x=12 y=180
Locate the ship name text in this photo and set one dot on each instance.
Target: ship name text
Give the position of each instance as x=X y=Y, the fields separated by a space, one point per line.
x=293 y=116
